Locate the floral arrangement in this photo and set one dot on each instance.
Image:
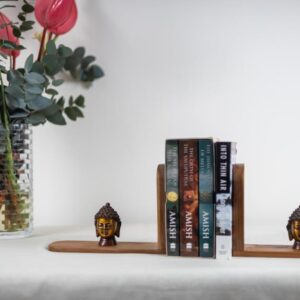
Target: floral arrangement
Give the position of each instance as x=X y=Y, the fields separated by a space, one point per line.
x=29 y=94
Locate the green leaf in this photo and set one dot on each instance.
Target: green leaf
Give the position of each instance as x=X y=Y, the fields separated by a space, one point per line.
x=79 y=101
x=79 y=52
x=27 y=25
x=87 y=60
x=29 y=63
x=15 y=103
x=72 y=115
x=39 y=103
x=71 y=100
x=34 y=78
x=57 y=119
x=78 y=112
x=51 y=48
x=16 y=91
x=64 y=51
x=38 y=67
x=27 y=8
x=14 y=76
x=53 y=64
x=57 y=82
x=16 y=31
x=36 y=118
x=61 y=102
x=21 y=17
x=52 y=92
x=33 y=89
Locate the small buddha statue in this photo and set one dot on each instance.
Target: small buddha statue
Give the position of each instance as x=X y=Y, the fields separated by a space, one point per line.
x=108 y=225
x=293 y=228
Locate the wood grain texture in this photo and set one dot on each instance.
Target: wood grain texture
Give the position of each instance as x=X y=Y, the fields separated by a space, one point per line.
x=280 y=251
x=93 y=247
x=161 y=208
x=238 y=208
x=126 y=247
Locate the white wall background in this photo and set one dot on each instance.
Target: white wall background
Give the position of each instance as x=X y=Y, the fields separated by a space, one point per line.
x=176 y=68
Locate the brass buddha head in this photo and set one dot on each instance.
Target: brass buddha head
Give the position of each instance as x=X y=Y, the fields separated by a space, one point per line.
x=293 y=228
x=108 y=225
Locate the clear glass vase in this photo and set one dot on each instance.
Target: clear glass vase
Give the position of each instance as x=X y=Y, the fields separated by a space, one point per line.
x=15 y=180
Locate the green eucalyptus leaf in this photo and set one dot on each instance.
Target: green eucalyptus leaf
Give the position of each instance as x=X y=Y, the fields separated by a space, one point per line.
x=15 y=103
x=15 y=91
x=52 y=92
x=64 y=51
x=36 y=118
x=16 y=31
x=27 y=8
x=71 y=101
x=33 y=89
x=14 y=76
x=29 y=63
x=19 y=114
x=51 y=48
x=57 y=82
x=78 y=112
x=26 y=25
x=21 y=17
x=57 y=119
x=38 y=67
x=79 y=101
x=71 y=113
x=39 y=103
x=61 y=102
x=87 y=60
x=53 y=64
x=34 y=78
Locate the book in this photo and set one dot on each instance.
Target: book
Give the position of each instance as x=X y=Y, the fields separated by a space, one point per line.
x=206 y=198
x=224 y=158
x=188 y=187
x=172 y=198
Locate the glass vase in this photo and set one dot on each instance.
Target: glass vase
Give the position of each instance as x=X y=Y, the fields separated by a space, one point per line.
x=15 y=180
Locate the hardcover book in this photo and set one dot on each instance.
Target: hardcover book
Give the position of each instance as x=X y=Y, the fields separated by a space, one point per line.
x=225 y=153
x=172 y=198
x=206 y=198
x=188 y=183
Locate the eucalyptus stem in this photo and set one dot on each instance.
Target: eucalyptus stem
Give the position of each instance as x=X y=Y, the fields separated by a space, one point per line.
x=9 y=159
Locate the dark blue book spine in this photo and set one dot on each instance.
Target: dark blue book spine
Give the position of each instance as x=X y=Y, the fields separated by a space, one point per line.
x=206 y=198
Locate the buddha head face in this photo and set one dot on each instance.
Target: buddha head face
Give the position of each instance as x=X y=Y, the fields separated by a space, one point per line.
x=106 y=227
x=107 y=222
x=293 y=225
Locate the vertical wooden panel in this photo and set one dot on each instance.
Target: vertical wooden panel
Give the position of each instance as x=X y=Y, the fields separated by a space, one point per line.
x=238 y=208
x=161 y=208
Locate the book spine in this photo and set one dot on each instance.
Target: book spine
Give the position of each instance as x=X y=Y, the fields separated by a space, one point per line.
x=223 y=187
x=206 y=198
x=189 y=205
x=172 y=198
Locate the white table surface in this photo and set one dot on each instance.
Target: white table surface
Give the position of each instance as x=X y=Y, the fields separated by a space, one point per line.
x=29 y=271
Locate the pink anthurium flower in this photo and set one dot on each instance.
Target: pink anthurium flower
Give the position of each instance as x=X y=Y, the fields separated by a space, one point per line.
x=56 y=16
x=69 y=24
x=6 y=33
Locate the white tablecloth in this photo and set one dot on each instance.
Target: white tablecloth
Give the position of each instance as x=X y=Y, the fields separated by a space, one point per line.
x=29 y=271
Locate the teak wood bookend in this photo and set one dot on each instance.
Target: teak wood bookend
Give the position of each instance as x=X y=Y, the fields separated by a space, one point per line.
x=239 y=246
x=125 y=247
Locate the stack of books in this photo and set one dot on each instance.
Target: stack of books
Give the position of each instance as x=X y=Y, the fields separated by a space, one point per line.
x=198 y=197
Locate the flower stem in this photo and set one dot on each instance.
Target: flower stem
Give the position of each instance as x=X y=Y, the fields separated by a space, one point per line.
x=12 y=210
x=41 y=51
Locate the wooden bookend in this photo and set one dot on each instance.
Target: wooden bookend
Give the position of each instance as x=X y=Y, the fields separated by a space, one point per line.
x=125 y=247
x=239 y=246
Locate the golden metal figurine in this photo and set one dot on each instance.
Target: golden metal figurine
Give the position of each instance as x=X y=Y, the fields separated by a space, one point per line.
x=293 y=228
x=108 y=225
